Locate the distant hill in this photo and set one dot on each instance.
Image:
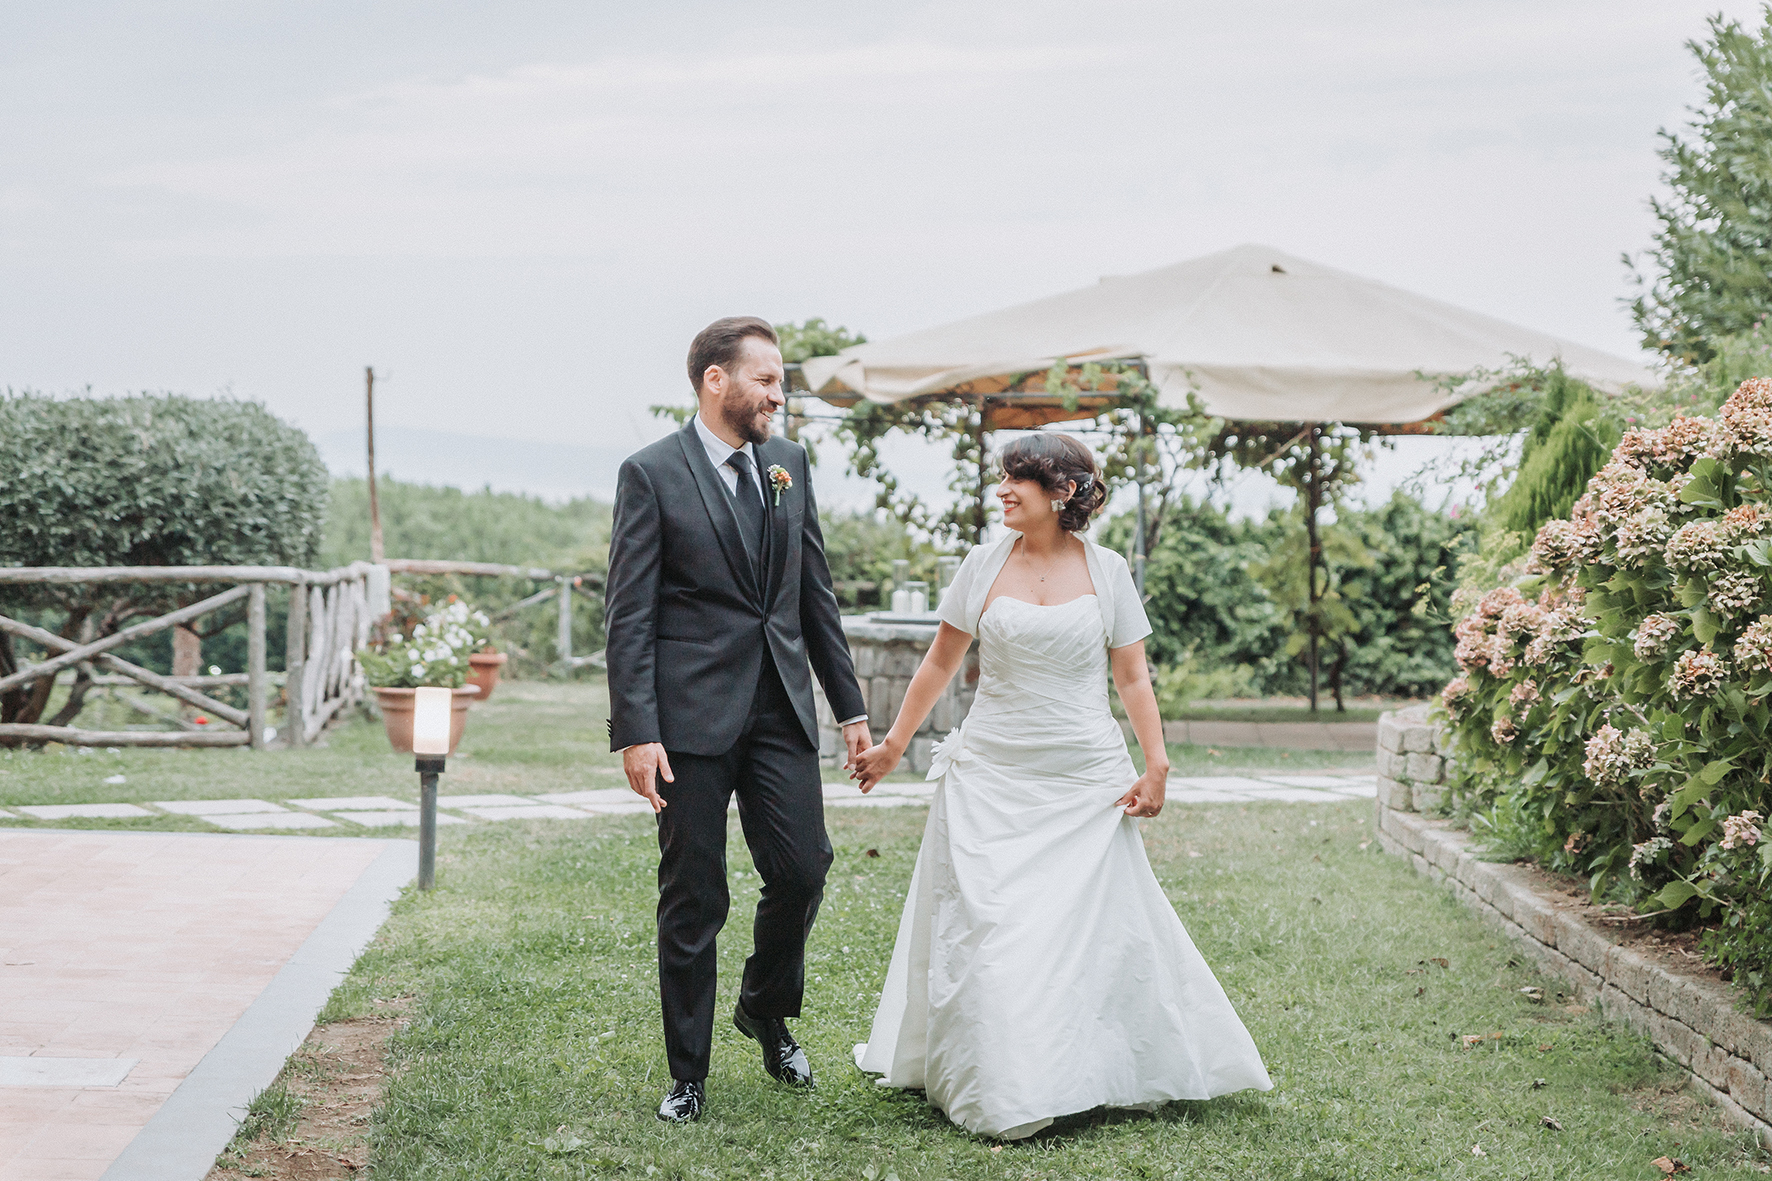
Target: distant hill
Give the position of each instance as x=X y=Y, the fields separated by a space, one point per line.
x=553 y=471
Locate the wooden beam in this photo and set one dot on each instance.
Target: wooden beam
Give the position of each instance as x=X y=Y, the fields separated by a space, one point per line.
x=255 y=664
x=69 y=736
x=116 y=639
x=75 y=574
x=489 y=569
x=173 y=686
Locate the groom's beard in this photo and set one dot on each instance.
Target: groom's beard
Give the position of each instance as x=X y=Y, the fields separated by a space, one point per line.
x=749 y=417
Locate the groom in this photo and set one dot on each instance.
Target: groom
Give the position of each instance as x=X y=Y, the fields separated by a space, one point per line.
x=719 y=607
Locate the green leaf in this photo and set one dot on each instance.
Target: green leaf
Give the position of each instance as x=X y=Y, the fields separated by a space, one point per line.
x=1704 y=488
x=1699 y=831
x=1675 y=895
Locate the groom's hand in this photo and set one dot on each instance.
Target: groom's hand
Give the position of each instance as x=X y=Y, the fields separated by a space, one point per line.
x=855 y=740
x=644 y=764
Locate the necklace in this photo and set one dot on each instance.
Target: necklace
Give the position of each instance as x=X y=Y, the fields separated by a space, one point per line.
x=1049 y=564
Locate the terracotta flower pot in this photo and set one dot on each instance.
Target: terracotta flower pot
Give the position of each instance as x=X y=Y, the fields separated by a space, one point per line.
x=485 y=666
x=396 y=715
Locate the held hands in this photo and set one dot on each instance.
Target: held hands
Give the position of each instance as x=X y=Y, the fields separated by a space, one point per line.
x=644 y=764
x=874 y=764
x=855 y=740
x=1146 y=796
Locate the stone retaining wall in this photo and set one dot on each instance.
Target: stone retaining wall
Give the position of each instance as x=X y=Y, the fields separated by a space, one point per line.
x=1692 y=1020
x=886 y=658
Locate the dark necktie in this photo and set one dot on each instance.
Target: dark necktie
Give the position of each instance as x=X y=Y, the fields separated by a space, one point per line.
x=750 y=502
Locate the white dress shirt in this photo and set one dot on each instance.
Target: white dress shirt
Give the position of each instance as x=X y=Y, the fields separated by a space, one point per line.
x=719 y=450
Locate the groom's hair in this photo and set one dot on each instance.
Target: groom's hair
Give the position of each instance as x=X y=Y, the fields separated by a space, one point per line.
x=720 y=343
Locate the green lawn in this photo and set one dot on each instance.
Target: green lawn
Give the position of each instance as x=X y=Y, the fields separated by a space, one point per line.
x=535 y=1052
x=532 y=737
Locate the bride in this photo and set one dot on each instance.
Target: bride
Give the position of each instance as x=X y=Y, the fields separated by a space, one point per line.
x=1039 y=969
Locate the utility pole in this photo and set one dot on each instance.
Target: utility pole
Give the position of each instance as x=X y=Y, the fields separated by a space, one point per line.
x=376 y=553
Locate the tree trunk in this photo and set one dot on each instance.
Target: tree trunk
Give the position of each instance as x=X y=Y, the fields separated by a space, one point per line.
x=1335 y=671
x=187 y=651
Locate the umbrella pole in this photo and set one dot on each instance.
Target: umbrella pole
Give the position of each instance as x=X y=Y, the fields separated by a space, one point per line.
x=1313 y=498
x=1138 y=550
x=982 y=512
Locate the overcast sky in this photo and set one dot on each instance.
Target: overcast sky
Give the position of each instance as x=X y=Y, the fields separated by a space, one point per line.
x=520 y=213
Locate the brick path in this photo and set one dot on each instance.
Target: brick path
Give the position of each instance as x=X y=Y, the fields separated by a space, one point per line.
x=124 y=959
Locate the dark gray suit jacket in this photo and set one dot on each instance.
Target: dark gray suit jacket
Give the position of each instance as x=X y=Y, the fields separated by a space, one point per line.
x=687 y=617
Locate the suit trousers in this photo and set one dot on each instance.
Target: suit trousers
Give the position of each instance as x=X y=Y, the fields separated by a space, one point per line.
x=774 y=772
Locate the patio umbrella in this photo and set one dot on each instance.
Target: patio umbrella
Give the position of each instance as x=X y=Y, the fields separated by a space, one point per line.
x=1258 y=334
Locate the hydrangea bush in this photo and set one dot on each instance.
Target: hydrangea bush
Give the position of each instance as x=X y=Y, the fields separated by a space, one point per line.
x=1611 y=714
x=436 y=653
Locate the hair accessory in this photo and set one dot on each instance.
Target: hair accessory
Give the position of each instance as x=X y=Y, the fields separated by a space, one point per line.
x=1057 y=506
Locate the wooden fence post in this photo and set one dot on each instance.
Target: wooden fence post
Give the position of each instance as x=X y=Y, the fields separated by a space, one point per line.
x=564 y=642
x=255 y=664
x=295 y=665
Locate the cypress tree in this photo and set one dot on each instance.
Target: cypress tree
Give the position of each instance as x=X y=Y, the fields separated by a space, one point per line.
x=1712 y=259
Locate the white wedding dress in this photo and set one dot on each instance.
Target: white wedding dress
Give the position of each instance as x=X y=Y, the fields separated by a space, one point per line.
x=1039 y=969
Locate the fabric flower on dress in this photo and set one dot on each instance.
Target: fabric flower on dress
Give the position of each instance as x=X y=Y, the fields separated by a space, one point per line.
x=949 y=752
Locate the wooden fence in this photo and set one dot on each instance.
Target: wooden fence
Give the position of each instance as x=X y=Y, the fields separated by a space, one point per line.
x=330 y=616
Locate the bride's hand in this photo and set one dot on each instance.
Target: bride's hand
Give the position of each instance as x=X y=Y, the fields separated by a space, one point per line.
x=874 y=764
x=1146 y=796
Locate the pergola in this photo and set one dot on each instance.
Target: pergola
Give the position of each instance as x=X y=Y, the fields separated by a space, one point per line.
x=1257 y=335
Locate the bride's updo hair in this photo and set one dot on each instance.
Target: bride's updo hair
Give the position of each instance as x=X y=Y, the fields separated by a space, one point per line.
x=1053 y=460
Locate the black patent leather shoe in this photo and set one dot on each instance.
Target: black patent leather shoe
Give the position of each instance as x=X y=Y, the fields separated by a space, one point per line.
x=782 y=1056
x=683 y=1104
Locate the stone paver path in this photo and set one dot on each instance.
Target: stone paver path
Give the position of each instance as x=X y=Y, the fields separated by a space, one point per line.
x=354 y=813
x=124 y=959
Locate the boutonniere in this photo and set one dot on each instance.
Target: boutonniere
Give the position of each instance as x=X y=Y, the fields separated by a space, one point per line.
x=779 y=480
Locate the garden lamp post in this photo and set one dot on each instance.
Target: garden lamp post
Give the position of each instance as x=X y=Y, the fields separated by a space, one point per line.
x=432 y=709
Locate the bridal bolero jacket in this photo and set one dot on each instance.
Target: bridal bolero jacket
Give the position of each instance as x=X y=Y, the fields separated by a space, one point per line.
x=1116 y=595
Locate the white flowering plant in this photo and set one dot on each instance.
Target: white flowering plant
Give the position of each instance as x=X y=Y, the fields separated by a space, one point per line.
x=435 y=654
x=1614 y=704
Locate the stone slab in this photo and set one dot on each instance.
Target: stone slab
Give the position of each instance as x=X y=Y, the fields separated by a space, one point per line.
x=482 y=801
x=874 y=801
x=64 y=1072
x=1295 y=795
x=1200 y=795
x=600 y=795
x=216 y=807
x=350 y=803
x=527 y=811
x=405 y=817
x=82 y=811
x=248 y=821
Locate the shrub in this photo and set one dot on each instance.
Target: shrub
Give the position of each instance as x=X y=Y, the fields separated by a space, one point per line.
x=1614 y=689
x=1217 y=599
x=143 y=481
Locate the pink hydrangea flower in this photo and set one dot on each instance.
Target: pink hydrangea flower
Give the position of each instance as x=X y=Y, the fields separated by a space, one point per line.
x=1741 y=830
